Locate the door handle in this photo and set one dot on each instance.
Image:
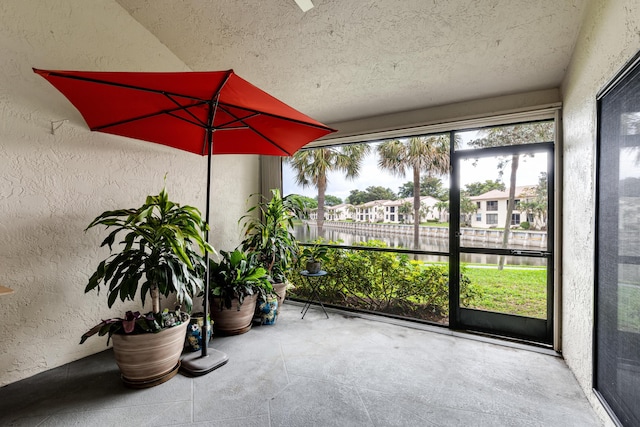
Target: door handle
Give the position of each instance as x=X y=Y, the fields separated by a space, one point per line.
x=529 y=253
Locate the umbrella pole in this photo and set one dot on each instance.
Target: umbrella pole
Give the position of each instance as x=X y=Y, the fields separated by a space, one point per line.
x=205 y=363
x=205 y=302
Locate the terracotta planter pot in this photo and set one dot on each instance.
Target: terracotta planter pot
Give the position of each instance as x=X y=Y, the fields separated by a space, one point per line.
x=234 y=320
x=148 y=359
x=281 y=291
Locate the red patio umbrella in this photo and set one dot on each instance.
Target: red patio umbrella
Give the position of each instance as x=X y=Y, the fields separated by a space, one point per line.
x=211 y=112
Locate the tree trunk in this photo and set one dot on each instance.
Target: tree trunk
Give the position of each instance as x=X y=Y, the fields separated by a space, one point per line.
x=515 y=160
x=155 y=299
x=416 y=208
x=322 y=188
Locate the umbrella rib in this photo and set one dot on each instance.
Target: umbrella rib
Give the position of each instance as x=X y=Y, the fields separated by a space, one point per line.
x=213 y=103
x=266 y=138
x=224 y=125
x=146 y=116
x=123 y=85
x=264 y=113
x=186 y=110
x=195 y=123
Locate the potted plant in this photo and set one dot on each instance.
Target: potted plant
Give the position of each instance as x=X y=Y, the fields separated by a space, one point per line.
x=157 y=256
x=267 y=232
x=235 y=283
x=313 y=257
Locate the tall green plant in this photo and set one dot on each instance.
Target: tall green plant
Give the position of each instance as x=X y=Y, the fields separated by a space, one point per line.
x=268 y=232
x=158 y=254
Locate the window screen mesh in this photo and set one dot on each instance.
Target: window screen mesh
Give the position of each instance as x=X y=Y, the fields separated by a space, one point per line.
x=617 y=362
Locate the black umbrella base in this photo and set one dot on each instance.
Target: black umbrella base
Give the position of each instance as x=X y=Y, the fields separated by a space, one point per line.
x=194 y=364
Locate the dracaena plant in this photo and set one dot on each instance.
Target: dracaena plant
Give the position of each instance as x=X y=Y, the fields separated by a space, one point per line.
x=160 y=252
x=268 y=229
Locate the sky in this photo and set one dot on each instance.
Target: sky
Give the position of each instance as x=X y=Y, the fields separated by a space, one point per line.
x=370 y=175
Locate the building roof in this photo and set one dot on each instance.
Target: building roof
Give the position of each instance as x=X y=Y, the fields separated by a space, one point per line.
x=524 y=191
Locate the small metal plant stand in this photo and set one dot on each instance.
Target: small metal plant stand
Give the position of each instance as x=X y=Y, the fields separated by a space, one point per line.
x=314 y=280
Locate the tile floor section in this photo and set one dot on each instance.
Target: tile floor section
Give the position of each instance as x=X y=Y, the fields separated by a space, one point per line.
x=341 y=371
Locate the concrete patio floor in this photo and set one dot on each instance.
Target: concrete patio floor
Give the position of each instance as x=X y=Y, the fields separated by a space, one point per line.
x=341 y=371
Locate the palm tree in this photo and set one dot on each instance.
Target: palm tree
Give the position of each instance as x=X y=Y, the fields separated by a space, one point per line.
x=405 y=210
x=313 y=165
x=428 y=154
x=467 y=208
x=441 y=206
x=352 y=212
x=424 y=212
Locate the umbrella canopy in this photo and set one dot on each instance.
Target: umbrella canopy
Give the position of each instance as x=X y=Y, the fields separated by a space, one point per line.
x=212 y=112
x=180 y=110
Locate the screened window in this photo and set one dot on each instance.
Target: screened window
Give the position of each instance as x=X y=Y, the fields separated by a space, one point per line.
x=508 y=135
x=450 y=203
x=617 y=338
x=515 y=219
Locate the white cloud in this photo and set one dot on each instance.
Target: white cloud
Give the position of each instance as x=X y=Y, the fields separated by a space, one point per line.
x=340 y=186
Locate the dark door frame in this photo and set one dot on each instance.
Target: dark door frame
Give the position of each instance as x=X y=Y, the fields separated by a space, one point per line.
x=526 y=328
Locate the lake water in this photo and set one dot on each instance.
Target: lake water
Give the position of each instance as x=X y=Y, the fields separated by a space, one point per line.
x=304 y=234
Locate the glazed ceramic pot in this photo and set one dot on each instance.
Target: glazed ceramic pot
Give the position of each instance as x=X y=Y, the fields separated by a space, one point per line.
x=194 y=331
x=267 y=310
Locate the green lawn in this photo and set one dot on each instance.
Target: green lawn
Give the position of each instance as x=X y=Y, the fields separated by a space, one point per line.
x=513 y=291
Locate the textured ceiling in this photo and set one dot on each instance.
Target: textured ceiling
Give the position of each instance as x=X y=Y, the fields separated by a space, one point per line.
x=348 y=59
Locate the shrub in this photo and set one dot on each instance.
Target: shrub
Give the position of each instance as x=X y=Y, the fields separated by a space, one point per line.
x=525 y=225
x=385 y=282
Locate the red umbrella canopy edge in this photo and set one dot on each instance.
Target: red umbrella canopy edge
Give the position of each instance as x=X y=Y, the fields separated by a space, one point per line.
x=184 y=109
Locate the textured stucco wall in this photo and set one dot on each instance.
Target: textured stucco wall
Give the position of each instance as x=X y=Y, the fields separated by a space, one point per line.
x=51 y=186
x=610 y=36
